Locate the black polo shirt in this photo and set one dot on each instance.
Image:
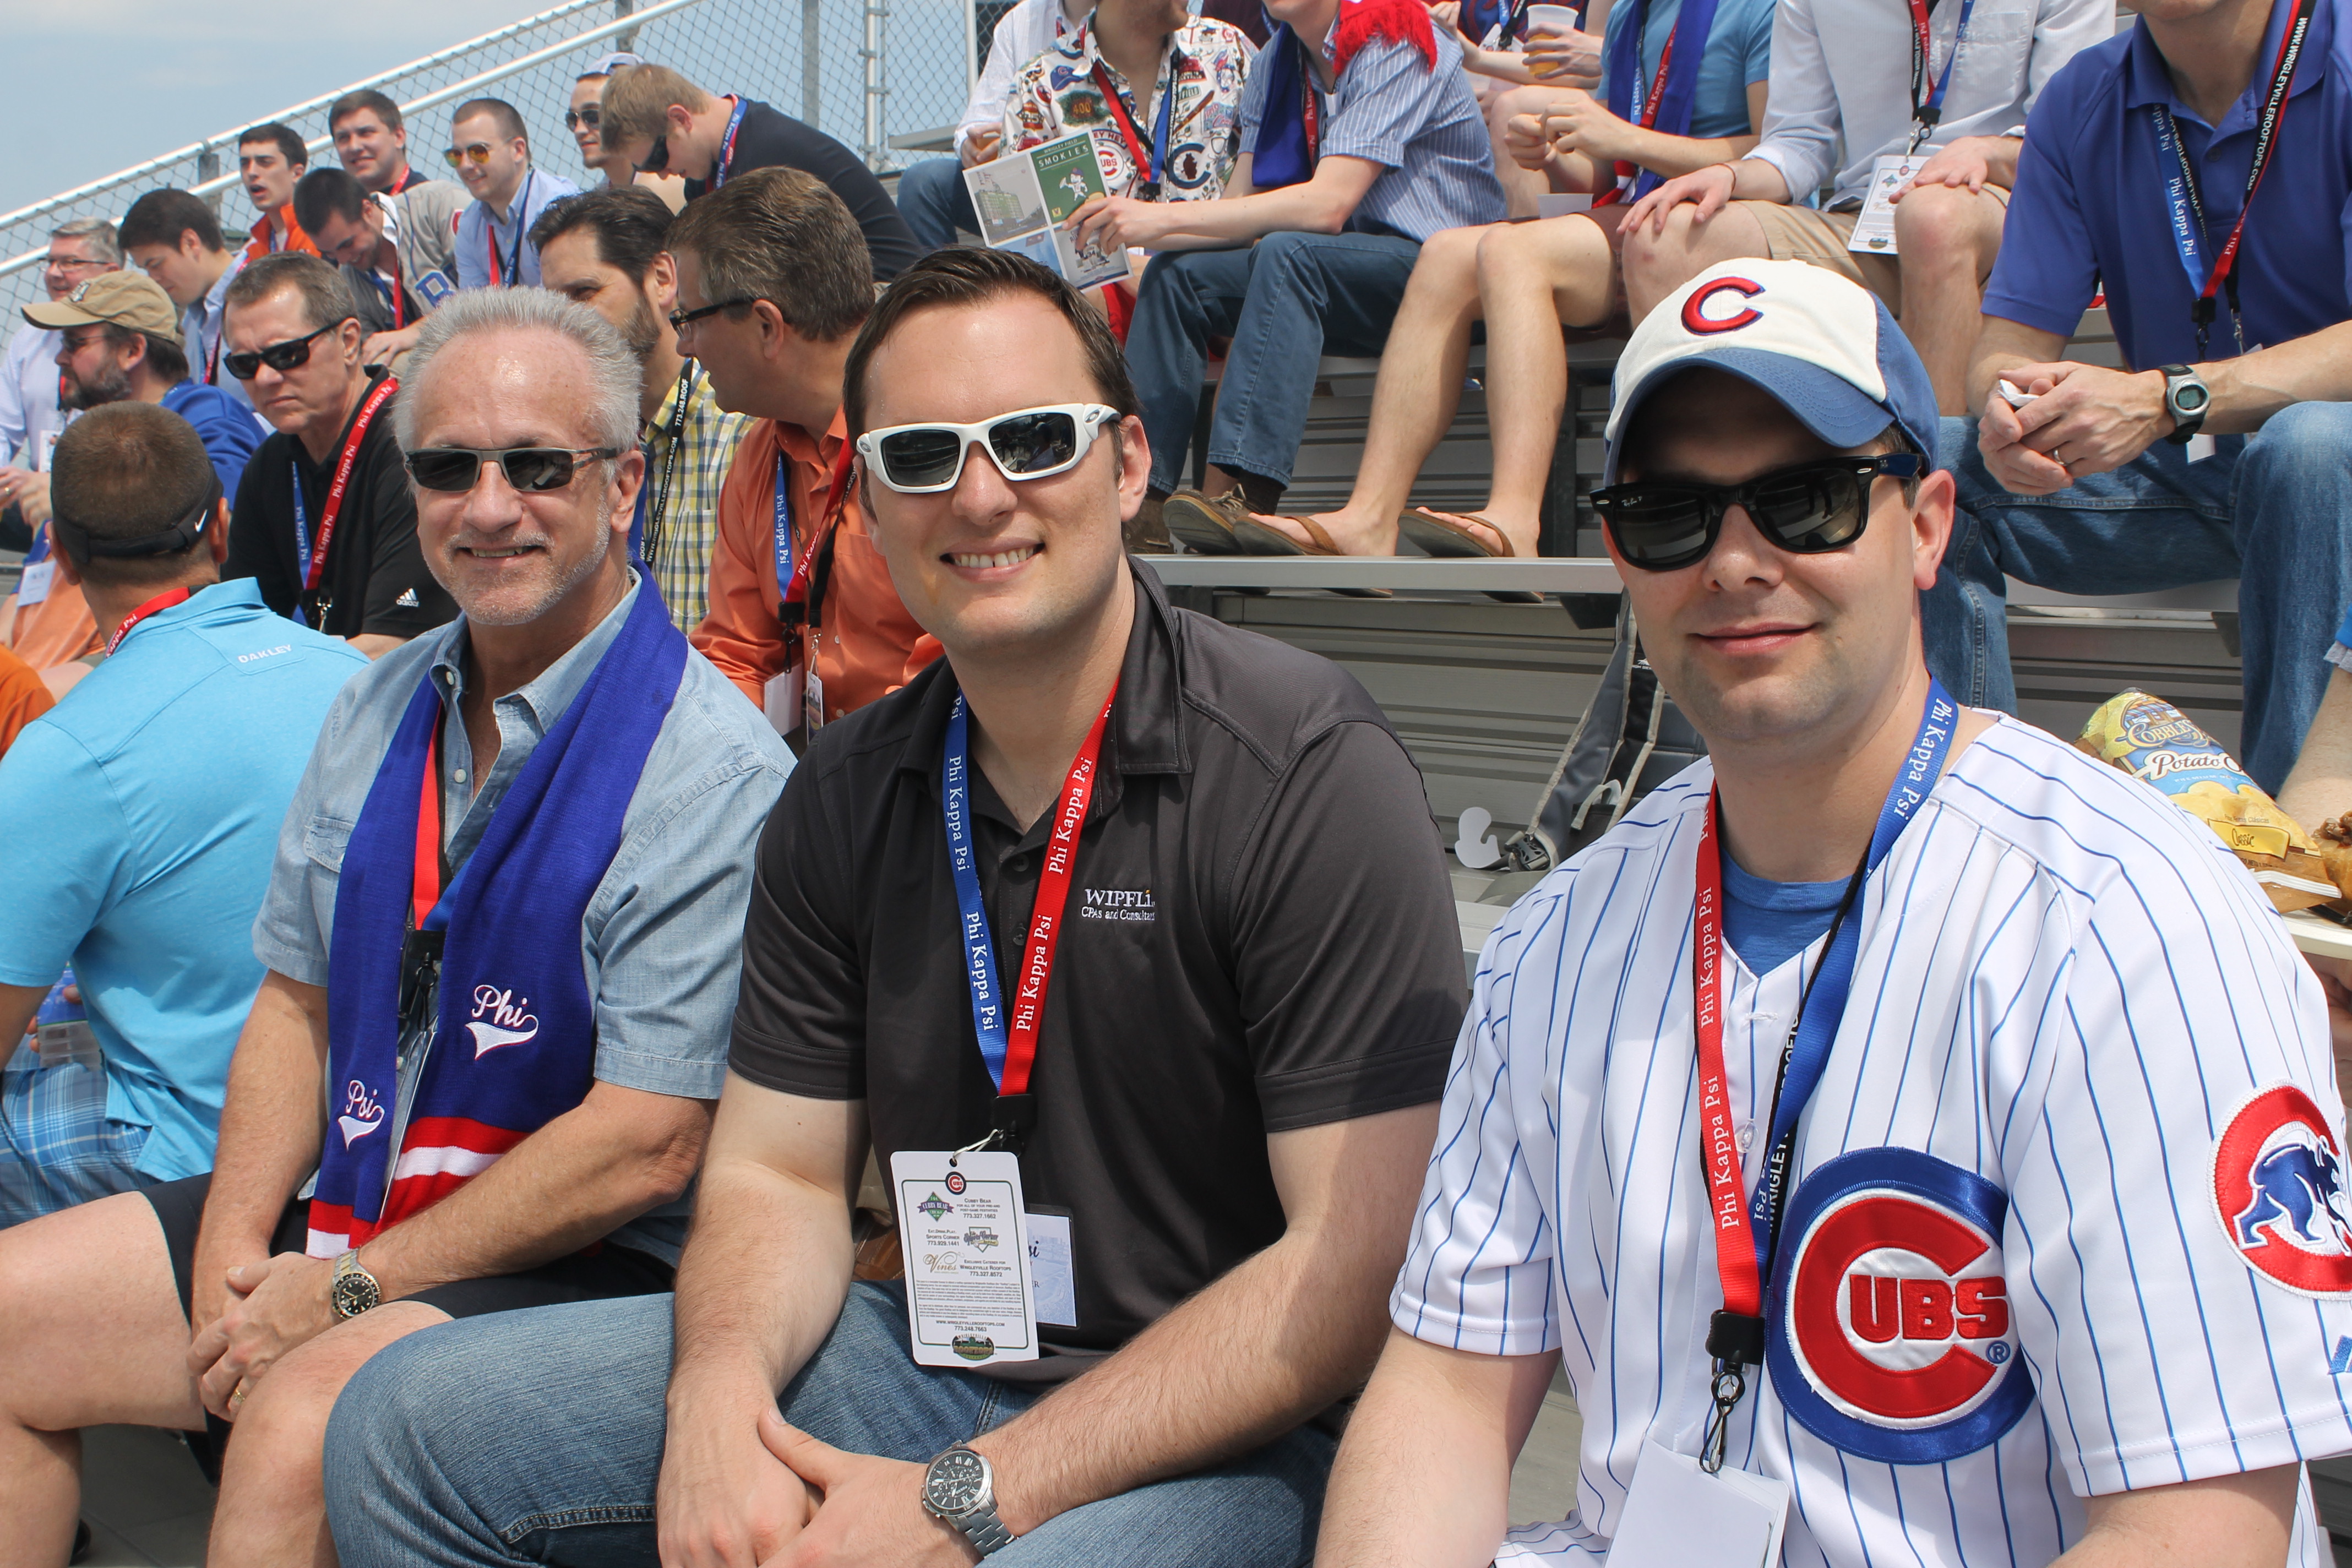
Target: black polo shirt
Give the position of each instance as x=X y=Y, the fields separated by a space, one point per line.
x=1260 y=937
x=768 y=138
x=375 y=579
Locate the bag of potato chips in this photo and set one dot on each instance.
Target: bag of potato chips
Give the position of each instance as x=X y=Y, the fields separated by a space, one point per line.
x=2150 y=739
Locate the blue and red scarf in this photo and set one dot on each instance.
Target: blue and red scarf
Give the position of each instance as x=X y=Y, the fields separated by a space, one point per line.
x=1288 y=137
x=515 y=1045
x=1679 y=95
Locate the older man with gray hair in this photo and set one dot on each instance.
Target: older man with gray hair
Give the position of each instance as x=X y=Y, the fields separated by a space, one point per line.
x=501 y=939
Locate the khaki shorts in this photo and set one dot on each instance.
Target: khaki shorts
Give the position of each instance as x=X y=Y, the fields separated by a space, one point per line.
x=1819 y=238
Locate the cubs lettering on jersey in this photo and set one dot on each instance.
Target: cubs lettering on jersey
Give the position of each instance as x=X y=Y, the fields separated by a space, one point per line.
x=2069 y=1210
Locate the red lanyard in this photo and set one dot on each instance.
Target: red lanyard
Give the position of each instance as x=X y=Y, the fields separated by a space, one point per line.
x=1625 y=170
x=425 y=891
x=156 y=605
x=796 y=592
x=1126 y=121
x=2266 y=143
x=1312 y=117
x=316 y=571
x=1045 y=918
x=1734 y=1242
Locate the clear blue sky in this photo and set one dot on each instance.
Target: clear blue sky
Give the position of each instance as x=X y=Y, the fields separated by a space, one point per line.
x=95 y=85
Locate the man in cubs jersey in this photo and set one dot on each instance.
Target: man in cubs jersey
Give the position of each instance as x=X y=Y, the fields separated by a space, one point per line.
x=1902 y=1128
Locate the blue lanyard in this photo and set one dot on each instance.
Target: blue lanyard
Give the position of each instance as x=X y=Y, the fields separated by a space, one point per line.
x=784 y=534
x=726 y=147
x=979 y=948
x=1823 y=1004
x=1926 y=116
x=522 y=226
x=301 y=545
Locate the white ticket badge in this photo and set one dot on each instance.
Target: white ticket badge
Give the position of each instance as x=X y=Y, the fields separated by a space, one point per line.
x=1676 y=1515
x=1873 y=229
x=1052 y=1285
x=34 y=586
x=965 y=1240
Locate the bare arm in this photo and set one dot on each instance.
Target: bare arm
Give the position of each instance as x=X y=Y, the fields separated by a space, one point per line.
x=2320 y=788
x=2226 y=1521
x=1584 y=124
x=1709 y=189
x=1424 y=1476
x=762 y=1280
x=18 y=1005
x=1278 y=1339
x=1320 y=204
x=272 y=1122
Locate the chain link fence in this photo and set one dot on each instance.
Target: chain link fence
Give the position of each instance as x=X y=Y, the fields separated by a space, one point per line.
x=877 y=75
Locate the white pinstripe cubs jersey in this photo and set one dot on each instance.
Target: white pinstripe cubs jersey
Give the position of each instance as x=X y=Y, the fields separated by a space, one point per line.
x=2069 y=1214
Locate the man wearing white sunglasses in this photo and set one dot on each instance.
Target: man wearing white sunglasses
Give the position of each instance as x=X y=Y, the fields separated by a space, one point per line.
x=1215 y=892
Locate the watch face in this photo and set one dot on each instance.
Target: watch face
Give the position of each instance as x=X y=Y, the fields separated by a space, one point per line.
x=956 y=1481
x=2188 y=399
x=354 y=1294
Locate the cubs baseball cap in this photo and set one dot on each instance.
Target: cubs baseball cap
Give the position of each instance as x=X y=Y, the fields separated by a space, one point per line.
x=130 y=299
x=1824 y=347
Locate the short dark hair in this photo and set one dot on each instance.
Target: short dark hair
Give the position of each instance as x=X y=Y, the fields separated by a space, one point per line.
x=165 y=357
x=969 y=276
x=631 y=225
x=360 y=102
x=502 y=115
x=324 y=191
x=319 y=282
x=782 y=235
x=161 y=217
x=131 y=470
x=290 y=142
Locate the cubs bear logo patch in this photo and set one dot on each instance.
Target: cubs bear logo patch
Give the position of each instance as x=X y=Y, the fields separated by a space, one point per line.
x=1889 y=1334
x=2278 y=1192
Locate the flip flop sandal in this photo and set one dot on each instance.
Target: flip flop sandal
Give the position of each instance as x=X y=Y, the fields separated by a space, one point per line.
x=1257 y=539
x=1203 y=524
x=1444 y=536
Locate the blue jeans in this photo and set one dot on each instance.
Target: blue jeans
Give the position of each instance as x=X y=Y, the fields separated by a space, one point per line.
x=934 y=200
x=2272 y=510
x=536 y=1436
x=1284 y=302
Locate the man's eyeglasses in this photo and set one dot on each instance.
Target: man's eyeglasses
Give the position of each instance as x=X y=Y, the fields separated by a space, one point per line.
x=681 y=320
x=1026 y=444
x=657 y=157
x=73 y=345
x=592 y=116
x=292 y=354
x=1807 y=508
x=529 y=469
x=68 y=263
x=474 y=153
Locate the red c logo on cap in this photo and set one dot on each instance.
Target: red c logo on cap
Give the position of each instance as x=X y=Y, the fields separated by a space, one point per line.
x=1694 y=317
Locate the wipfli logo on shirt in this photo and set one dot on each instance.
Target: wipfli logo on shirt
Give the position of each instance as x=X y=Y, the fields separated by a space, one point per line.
x=501 y=1021
x=1133 y=904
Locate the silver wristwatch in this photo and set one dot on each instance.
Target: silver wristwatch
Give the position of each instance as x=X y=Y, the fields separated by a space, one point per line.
x=959 y=1488
x=354 y=1289
x=2188 y=399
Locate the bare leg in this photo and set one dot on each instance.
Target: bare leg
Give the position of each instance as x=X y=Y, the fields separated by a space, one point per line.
x=91 y=1331
x=1522 y=187
x=273 y=1505
x=1657 y=264
x=1947 y=238
x=1534 y=277
x=1413 y=400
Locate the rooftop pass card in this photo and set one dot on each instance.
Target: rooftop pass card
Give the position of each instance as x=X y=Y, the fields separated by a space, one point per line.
x=964 y=1236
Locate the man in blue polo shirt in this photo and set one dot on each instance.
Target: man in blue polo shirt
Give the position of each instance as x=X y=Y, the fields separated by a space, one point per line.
x=491 y=153
x=2225 y=449
x=1360 y=139
x=158 y=790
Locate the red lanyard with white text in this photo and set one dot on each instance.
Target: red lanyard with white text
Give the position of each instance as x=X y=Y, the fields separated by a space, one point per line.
x=1746 y=1229
x=154 y=607
x=1627 y=173
x=1010 y=1050
x=314 y=556
x=1927 y=111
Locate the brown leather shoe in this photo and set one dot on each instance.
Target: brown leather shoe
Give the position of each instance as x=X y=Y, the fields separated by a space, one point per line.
x=1205 y=523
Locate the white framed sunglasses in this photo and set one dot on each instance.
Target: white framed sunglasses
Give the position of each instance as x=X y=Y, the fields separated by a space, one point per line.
x=1026 y=444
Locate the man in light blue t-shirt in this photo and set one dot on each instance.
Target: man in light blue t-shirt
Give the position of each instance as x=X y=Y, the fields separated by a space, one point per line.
x=1527 y=280
x=155 y=792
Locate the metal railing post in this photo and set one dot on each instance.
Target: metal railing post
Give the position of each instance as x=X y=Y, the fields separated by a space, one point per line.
x=626 y=42
x=875 y=89
x=812 y=57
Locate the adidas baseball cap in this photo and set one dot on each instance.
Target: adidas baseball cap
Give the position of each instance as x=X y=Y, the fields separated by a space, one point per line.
x=1824 y=347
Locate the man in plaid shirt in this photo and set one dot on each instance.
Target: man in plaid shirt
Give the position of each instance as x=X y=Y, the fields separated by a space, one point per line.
x=605 y=251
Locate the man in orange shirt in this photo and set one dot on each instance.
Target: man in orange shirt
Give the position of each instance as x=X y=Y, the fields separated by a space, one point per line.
x=269 y=158
x=774 y=281
x=22 y=698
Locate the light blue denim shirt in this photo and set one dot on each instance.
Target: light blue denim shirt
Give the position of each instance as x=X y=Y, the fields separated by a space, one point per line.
x=662 y=938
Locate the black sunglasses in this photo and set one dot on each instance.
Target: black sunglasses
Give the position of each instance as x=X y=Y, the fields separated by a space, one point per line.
x=1808 y=509
x=592 y=116
x=681 y=320
x=528 y=468
x=657 y=157
x=290 y=354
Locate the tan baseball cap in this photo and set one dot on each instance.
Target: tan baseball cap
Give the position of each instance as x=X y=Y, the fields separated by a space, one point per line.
x=130 y=299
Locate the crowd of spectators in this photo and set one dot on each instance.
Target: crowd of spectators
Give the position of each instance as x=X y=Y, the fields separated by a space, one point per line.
x=426 y=601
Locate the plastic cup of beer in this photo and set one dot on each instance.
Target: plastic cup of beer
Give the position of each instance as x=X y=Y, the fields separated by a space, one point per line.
x=1553 y=21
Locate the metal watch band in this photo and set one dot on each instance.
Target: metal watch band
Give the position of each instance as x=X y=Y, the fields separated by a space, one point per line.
x=2186 y=422
x=983 y=1529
